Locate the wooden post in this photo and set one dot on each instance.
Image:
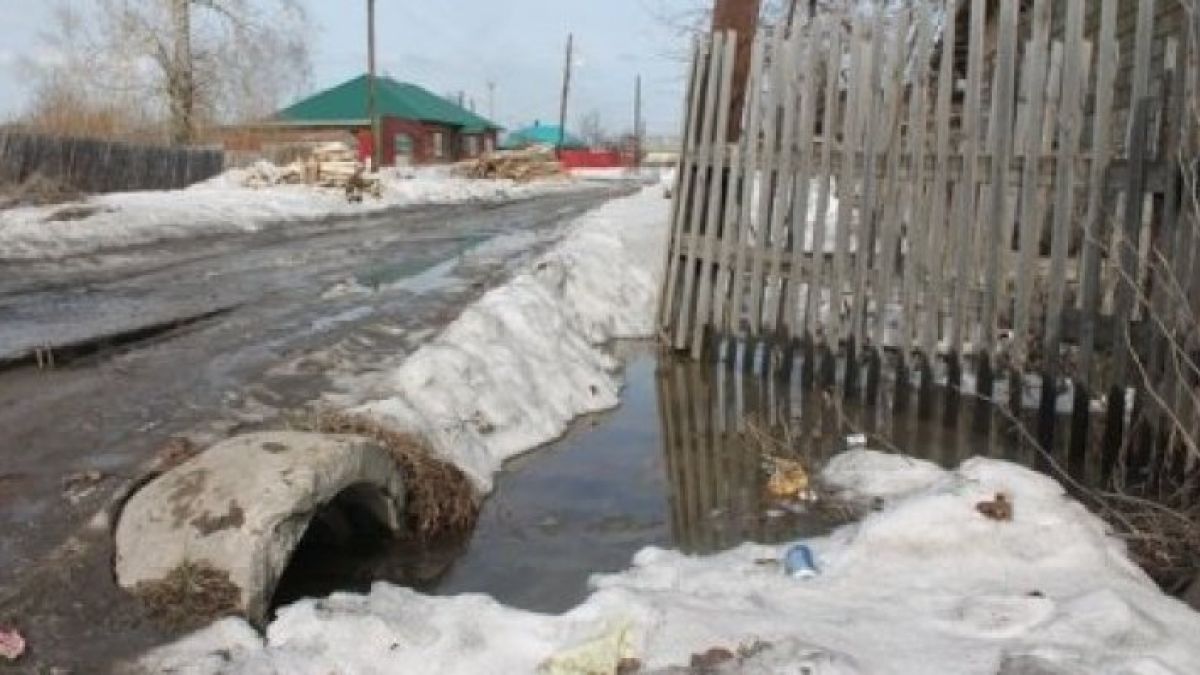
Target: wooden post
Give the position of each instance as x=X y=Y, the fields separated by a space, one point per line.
x=372 y=101
x=566 y=88
x=740 y=16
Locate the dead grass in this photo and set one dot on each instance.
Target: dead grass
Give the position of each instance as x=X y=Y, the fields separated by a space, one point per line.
x=1164 y=541
x=192 y=595
x=441 y=499
x=37 y=190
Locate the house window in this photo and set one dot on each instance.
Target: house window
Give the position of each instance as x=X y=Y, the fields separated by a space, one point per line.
x=439 y=144
x=404 y=148
x=472 y=143
x=489 y=144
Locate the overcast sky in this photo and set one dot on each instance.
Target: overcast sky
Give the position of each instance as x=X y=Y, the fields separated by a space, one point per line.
x=453 y=45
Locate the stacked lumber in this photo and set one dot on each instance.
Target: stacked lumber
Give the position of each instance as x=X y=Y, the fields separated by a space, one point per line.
x=330 y=165
x=520 y=165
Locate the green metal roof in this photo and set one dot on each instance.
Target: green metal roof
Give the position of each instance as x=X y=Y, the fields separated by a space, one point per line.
x=541 y=134
x=348 y=101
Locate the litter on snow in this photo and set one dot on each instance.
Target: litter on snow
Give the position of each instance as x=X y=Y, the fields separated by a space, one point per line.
x=924 y=585
x=12 y=645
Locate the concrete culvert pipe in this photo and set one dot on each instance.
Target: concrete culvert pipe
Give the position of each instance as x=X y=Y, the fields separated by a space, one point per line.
x=234 y=514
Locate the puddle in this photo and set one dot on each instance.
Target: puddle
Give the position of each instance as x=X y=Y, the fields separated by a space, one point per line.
x=678 y=465
x=389 y=273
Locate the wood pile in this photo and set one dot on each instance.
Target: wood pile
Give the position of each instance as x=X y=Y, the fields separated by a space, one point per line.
x=519 y=165
x=331 y=165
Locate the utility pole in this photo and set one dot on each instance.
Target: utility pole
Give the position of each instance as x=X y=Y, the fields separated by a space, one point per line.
x=637 y=123
x=740 y=16
x=372 y=103
x=566 y=88
x=491 y=85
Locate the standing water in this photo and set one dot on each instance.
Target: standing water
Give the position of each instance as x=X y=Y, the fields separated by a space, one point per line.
x=680 y=464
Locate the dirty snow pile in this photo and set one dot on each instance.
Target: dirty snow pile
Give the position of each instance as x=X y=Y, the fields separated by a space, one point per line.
x=518 y=365
x=223 y=205
x=924 y=584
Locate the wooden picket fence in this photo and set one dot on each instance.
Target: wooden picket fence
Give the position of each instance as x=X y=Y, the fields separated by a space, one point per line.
x=100 y=165
x=953 y=185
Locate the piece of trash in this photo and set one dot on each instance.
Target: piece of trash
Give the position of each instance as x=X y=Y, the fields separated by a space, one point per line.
x=711 y=659
x=601 y=654
x=175 y=451
x=798 y=562
x=12 y=645
x=789 y=479
x=80 y=484
x=998 y=508
x=856 y=440
x=629 y=665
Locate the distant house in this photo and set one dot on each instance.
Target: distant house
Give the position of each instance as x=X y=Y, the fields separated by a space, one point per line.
x=418 y=127
x=542 y=134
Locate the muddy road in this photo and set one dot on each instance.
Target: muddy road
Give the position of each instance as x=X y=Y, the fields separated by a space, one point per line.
x=105 y=359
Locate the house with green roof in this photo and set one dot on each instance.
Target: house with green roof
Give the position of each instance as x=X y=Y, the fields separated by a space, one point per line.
x=419 y=127
x=543 y=134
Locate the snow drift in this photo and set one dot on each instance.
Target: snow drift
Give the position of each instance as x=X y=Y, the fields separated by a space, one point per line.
x=223 y=205
x=517 y=366
x=924 y=585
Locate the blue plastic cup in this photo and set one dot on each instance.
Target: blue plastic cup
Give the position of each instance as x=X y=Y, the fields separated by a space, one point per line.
x=799 y=562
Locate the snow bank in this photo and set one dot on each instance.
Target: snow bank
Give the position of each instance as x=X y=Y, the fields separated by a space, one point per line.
x=223 y=206
x=517 y=366
x=924 y=585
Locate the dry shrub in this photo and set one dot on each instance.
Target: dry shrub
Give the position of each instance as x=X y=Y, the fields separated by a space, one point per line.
x=440 y=498
x=1164 y=541
x=192 y=595
x=38 y=190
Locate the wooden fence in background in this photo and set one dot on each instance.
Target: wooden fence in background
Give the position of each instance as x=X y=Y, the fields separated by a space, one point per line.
x=94 y=165
x=906 y=195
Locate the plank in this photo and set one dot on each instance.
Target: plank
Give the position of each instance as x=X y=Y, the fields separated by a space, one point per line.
x=683 y=185
x=1127 y=239
x=784 y=183
x=728 y=239
x=718 y=186
x=830 y=118
x=1001 y=120
x=851 y=141
x=935 y=255
x=750 y=173
x=916 y=212
x=968 y=187
x=765 y=183
x=1070 y=116
x=1168 y=242
x=889 y=209
x=802 y=186
x=702 y=192
x=864 y=230
x=1030 y=211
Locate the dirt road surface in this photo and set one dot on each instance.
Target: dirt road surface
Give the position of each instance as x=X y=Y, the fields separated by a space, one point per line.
x=200 y=339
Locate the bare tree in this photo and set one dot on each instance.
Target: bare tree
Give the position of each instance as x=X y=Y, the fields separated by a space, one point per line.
x=190 y=62
x=591 y=129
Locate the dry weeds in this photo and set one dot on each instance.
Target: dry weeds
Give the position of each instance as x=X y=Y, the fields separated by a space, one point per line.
x=192 y=595
x=441 y=499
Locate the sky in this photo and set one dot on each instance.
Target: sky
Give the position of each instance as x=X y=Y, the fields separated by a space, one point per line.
x=461 y=45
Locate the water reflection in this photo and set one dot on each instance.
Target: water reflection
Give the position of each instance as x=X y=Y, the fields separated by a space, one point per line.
x=678 y=465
